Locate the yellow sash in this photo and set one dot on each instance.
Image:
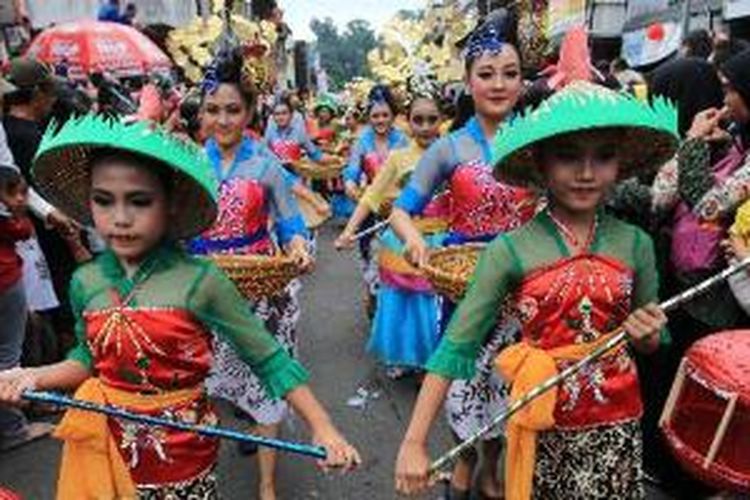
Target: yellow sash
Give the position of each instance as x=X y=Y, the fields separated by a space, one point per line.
x=431 y=225
x=388 y=259
x=92 y=467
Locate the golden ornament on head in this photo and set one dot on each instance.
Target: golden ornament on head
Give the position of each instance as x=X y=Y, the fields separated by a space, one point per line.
x=190 y=46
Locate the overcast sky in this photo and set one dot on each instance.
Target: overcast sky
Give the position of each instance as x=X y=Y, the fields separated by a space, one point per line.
x=299 y=13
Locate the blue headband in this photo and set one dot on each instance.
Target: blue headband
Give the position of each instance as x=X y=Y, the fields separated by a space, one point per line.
x=210 y=81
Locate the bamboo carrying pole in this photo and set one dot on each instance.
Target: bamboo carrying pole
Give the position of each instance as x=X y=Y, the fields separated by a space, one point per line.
x=204 y=430
x=372 y=229
x=669 y=305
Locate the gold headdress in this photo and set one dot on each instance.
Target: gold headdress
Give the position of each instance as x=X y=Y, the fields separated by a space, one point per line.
x=429 y=40
x=194 y=46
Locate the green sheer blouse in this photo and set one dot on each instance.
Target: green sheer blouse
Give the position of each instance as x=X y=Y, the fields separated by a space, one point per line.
x=509 y=258
x=169 y=278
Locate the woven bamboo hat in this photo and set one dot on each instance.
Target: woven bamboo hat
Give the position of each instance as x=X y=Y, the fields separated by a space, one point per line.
x=62 y=168
x=326 y=101
x=648 y=133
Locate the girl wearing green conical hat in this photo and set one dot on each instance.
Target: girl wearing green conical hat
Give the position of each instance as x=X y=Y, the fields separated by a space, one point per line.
x=568 y=278
x=145 y=312
x=325 y=132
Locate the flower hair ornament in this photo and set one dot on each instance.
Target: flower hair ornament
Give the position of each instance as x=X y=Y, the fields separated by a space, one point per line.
x=379 y=94
x=422 y=84
x=490 y=36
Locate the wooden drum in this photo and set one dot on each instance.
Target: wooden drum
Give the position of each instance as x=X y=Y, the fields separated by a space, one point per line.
x=706 y=420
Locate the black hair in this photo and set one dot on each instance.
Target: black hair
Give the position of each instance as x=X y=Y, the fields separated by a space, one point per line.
x=381 y=94
x=20 y=97
x=469 y=61
x=229 y=71
x=464 y=111
x=506 y=22
x=10 y=179
x=70 y=102
x=97 y=78
x=413 y=100
x=698 y=44
x=163 y=172
x=283 y=100
x=190 y=113
x=725 y=49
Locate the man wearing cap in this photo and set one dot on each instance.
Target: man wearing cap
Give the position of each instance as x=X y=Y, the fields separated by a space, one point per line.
x=28 y=106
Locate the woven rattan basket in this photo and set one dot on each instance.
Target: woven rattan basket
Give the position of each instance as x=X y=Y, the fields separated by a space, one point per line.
x=258 y=276
x=315 y=171
x=449 y=269
x=313 y=219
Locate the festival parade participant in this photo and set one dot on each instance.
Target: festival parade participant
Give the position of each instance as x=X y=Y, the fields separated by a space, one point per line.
x=144 y=313
x=326 y=134
x=481 y=208
x=254 y=190
x=569 y=278
x=405 y=327
x=288 y=141
x=376 y=141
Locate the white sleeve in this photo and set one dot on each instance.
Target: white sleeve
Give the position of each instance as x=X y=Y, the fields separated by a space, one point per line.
x=6 y=156
x=38 y=205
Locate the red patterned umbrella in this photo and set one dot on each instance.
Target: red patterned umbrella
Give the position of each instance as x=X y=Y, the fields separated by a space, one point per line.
x=89 y=46
x=8 y=495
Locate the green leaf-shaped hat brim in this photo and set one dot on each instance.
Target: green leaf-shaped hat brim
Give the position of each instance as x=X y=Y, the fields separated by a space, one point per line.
x=649 y=132
x=63 y=162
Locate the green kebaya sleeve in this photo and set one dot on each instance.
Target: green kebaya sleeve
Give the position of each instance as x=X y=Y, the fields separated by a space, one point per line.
x=478 y=312
x=218 y=304
x=646 y=285
x=80 y=351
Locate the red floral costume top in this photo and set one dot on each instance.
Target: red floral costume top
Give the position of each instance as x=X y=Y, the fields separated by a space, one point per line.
x=151 y=335
x=364 y=158
x=481 y=206
x=253 y=192
x=528 y=277
x=289 y=143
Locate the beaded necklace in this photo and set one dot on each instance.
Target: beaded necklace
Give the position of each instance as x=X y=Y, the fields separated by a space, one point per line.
x=570 y=236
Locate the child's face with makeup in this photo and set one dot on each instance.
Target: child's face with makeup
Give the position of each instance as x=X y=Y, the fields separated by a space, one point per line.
x=130 y=208
x=580 y=169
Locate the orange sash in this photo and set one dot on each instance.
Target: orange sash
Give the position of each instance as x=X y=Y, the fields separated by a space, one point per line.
x=92 y=467
x=525 y=367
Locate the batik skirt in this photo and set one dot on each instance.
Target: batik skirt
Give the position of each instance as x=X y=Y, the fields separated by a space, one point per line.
x=201 y=488
x=600 y=463
x=472 y=404
x=231 y=379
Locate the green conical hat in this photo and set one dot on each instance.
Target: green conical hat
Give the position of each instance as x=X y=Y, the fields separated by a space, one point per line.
x=63 y=160
x=649 y=132
x=326 y=101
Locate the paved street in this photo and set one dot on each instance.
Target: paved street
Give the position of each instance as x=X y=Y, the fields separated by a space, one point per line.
x=332 y=337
